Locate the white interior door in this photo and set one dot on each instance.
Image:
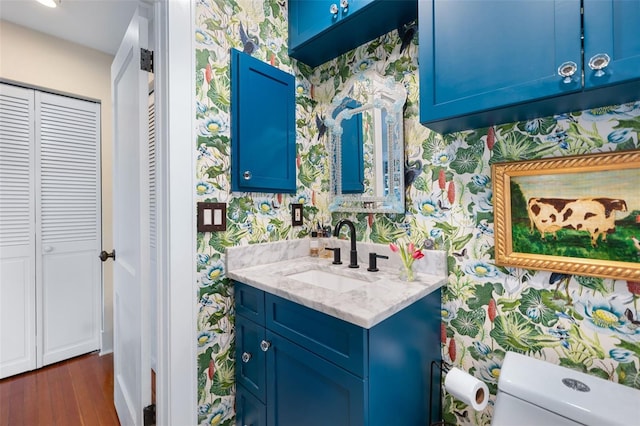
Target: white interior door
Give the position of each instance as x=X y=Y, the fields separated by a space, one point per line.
x=17 y=230
x=68 y=218
x=132 y=373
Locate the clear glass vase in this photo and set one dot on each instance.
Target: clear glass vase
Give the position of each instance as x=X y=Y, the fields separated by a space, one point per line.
x=406 y=273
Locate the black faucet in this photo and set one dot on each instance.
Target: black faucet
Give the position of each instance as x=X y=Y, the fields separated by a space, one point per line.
x=353 y=255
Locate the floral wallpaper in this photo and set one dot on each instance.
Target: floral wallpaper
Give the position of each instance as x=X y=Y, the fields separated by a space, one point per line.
x=588 y=324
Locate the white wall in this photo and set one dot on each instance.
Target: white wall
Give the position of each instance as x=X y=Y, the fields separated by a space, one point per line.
x=40 y=60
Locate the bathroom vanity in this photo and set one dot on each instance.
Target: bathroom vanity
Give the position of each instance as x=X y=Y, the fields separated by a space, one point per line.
x=322 y=344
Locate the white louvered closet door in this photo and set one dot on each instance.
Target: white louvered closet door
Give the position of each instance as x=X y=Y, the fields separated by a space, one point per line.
x=69 y=219
x=17 y=230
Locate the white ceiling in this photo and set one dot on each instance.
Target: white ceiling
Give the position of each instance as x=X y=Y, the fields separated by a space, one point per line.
x=99 y=24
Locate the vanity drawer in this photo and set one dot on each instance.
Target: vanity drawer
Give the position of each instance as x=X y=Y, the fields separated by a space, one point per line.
x=336 y=340
x=249 y=302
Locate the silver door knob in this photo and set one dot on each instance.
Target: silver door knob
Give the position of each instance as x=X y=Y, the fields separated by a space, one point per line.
x=566 y=70
x=265 y=345
x=246 y=175
x=333 y=9
x=598 y=63
x=246 y=357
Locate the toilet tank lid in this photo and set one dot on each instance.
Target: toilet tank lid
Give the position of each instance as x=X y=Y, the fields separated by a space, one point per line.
x=560 y=390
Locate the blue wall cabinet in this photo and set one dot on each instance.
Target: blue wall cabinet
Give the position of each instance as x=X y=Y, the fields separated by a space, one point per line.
x=263 y=135
x=491 y=62
x=611 y=42
x=320 y=30
x=321 y=370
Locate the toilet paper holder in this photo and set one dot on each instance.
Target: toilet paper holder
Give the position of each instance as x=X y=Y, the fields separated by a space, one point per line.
x=442 y=367
x=459 y=384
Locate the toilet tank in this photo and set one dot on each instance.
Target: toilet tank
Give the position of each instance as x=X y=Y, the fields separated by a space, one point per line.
x=535 y=392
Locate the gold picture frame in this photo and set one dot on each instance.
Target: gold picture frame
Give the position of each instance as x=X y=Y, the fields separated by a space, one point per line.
x=576 y=215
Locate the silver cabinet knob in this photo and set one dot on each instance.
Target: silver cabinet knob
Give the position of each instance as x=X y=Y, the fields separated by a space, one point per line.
x=246 y=175
x=333 y=9
x=566 y=70
x=344 y=4
x=47 y=249
x=246 y=357
x=265 y=345
x=598 y=63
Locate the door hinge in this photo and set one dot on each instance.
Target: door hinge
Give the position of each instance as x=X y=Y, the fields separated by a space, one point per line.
x=146 y=60
x=149 y=415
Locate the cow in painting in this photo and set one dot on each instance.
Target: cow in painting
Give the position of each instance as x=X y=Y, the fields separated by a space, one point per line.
x=593 y=215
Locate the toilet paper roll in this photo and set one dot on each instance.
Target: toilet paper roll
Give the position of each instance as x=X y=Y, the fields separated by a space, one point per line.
x=466 y=388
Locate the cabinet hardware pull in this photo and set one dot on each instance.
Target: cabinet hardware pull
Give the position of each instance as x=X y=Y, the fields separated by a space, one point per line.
x=265 y=345
x=246 y=175
x=333 y=9
x=344 y=4
x=598 y=63
x=566 y=70
x=246 y=357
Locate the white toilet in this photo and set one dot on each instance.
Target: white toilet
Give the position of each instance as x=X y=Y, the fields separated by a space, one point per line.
x=538 y=393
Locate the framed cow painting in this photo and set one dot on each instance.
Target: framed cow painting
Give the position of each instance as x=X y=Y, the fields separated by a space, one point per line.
x=576 y=215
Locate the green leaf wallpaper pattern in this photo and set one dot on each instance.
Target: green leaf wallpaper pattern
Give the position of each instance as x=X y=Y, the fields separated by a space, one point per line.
x=584 y=323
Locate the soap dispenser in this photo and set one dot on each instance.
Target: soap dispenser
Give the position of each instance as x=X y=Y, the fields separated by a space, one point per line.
x=314 y=248
x=325 y=243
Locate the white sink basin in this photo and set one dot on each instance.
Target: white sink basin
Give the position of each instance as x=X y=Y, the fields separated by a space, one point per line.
x=328 y=280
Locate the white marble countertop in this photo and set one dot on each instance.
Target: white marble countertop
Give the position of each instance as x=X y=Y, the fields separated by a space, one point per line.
x=367 y=305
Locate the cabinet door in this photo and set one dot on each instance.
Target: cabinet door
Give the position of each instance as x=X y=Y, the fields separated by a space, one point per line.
x=611 y=28
x=249 y=410
x=250 y=359
x=17 y=230
x=305 y=389
x=309 y=18
x=478 y=55
x=263 y=136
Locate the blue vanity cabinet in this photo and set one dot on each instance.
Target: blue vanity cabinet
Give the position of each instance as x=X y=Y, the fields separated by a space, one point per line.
x=320 y=30
x=250 y=411
x=490 y=62
x=263 y=136
x=306 y=389
x=321 y=370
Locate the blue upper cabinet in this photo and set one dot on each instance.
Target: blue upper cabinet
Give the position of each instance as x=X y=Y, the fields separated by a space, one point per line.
x=482 y=55
x=611 y=42
x=313 y=17
x=320 y=30
x=263 y=136
x=490 y=62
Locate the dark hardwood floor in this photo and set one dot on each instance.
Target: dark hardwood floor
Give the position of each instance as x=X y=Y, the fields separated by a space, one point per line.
x=77 y=391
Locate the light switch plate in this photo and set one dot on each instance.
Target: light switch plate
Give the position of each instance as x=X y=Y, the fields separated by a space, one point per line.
x=212 y=217
x=296 y=215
